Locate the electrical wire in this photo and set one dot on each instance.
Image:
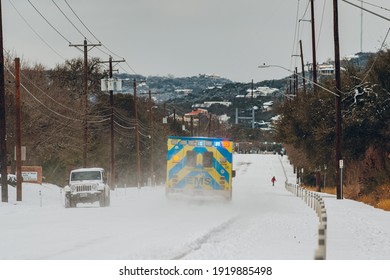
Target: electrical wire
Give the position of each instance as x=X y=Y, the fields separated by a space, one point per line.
x=62 y=12
x=376 y=58
x=81 y=21
x=35 y=32
x=55 y=29
x=295 y=35
x=373 y=5
x=124 y=127
x=40 y=102
x=103 y=45
x=322 y=21
x=100 y=119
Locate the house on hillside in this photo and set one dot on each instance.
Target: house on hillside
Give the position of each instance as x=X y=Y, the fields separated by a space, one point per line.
x=267 y=106
x=261 y=91
x=194 y=114
x=208 y=104
x=326 y=69
x=183 y=91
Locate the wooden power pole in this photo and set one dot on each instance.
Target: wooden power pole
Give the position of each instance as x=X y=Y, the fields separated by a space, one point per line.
x=313 y=40
x=138 y=161
x=338 y=97
x=3 y=134
x=111 y=93
x=151 y=137
x=18 y=132
x=85 y=99
x=303 y=68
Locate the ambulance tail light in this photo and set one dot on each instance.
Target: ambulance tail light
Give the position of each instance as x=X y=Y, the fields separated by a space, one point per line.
x=226 y=144
x=176 y=159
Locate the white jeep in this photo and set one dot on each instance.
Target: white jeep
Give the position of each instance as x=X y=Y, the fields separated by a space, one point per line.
x=87 y=185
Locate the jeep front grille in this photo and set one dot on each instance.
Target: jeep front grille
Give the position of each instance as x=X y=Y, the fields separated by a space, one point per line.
x=84 y=188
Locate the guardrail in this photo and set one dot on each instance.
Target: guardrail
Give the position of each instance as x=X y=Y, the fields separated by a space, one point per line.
x=315 y=201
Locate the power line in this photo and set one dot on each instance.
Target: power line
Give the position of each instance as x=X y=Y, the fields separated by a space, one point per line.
x=103 y=45
x=55 y=29
x=59 y=33
x=322 y=21
x=369 y=11
x=101 y=120
x=376 y=6
x=36 y=33
x=62 y=12
x=376 y=58
x=81 y=21
x=295 y=34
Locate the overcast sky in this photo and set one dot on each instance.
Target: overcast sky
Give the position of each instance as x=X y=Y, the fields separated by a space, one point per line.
x=229 y=38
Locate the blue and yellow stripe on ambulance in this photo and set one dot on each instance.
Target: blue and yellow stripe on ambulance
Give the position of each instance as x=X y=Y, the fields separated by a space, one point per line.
x=177 y=166
x=174 y=161
x=224 y=167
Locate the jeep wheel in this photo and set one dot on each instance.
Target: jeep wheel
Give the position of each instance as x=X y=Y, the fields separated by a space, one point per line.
x=67 y=202
x=70 y=202
x=108 y=199
x=73 y=203
x=102 y=200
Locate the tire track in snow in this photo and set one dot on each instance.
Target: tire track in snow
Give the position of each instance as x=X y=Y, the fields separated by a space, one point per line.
x=197 y=244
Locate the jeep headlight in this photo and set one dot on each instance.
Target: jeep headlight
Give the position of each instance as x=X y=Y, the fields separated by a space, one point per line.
x=94 y=187
x=73 y=188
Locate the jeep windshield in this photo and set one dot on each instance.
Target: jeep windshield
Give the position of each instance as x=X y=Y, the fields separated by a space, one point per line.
x=85 y=175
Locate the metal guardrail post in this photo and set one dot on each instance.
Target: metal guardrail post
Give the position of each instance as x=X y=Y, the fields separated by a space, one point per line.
x=320 y=253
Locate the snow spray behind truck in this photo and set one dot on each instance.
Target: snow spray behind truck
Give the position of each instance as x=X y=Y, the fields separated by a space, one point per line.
x=199 y=166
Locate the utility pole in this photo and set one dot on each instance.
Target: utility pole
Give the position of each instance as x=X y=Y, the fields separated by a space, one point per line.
x=112 y=143
x=252 y=92
x=174 y=119
x=209 y=126
x=338 y=97
x=18 y=132
x=296 y=82
x=303 y=68
x=192 y=126
x=313 y=40
x=151 y=138
x=137 y=135
x=85 y=99
x=112 y=153
x=3 y=134
x=361 y=28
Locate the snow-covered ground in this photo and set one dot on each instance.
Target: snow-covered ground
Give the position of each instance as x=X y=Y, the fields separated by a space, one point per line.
x=262 y=222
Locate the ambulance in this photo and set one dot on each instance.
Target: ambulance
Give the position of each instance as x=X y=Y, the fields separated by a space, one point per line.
x=199 y=167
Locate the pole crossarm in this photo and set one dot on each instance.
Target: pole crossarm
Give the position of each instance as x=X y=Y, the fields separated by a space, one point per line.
x=85 y=45
x=113 y=61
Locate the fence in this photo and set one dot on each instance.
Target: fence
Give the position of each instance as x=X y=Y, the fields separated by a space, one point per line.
x=315 y=201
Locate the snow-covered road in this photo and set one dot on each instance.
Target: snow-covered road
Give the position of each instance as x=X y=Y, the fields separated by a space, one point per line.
x=262 y=222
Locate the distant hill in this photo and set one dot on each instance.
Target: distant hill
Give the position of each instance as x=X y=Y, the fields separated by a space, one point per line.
x=188 y=93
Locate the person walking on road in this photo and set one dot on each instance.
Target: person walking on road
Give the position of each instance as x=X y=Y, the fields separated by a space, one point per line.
x=273 y=180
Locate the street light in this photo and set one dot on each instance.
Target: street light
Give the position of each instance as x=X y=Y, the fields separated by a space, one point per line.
x=284 y=68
